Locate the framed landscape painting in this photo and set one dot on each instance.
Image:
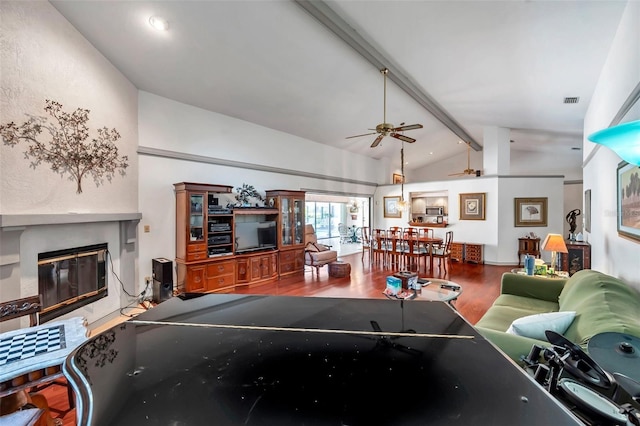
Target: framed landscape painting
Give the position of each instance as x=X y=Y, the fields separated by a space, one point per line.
x=628 y=200
x=472 y=206
x=531 y=211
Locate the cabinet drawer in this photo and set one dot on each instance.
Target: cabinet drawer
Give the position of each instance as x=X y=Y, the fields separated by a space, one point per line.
x=193 y=248
x=473 y=251
x=220 y=281
x=220 y=268
x=196 y=256
x=288 y=256
x=287 y=267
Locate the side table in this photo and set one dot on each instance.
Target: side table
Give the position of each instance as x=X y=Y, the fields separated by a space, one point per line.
x=528 y=246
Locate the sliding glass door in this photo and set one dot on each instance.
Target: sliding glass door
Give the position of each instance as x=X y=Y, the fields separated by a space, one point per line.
x=325 y=217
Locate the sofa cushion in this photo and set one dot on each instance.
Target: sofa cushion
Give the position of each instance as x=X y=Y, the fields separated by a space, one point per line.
x=532 y=306
x=499 y=317
x=322 y=257
x=316 y=247
x=603 y=304
x=536 y=325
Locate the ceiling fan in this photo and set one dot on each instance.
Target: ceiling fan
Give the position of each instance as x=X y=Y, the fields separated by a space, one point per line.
x=468 y=170
x=387 y=129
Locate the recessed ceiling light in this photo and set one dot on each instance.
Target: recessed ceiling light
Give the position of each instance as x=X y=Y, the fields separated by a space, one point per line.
x=159 y=23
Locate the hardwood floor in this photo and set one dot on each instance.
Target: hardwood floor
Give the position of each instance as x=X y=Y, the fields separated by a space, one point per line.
x=480 y=285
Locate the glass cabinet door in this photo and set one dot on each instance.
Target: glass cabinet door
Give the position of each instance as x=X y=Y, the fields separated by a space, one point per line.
x=298 y=220
x=287 y=231
x=196 y=218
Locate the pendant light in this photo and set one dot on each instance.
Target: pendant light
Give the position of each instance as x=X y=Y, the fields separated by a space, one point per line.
x=402 y=204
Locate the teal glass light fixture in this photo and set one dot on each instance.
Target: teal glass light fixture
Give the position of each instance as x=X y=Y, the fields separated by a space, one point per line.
x=623 y=139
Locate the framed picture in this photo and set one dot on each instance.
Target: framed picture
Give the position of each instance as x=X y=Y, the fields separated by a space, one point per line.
x=391 y=207
x=397 y=178
x=472 y=206
x=531 y=211
x=629 y=200
x=587 y=210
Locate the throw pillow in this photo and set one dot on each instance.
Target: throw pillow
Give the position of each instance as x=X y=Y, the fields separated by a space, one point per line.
x=312 y=247
x=534 y=326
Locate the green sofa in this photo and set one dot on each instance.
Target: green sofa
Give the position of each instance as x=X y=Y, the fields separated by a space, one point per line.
x=602 y=304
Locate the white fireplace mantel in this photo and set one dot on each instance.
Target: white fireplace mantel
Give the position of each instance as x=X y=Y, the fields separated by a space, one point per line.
x=21 y=220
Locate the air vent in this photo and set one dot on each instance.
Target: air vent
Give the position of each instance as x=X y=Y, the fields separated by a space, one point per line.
x=572 y=100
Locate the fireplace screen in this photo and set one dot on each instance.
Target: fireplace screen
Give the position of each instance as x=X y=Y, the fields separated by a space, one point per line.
x=71 y=278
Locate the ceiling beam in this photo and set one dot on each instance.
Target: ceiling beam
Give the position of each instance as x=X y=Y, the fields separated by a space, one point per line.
x=330 y=19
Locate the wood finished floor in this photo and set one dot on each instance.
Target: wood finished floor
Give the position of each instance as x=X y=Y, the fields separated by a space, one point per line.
x=480 y=284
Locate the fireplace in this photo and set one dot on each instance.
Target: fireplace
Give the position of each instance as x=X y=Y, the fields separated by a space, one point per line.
x=71 y=278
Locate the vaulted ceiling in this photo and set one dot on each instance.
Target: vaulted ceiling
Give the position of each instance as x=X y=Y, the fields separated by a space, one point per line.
x=273 y=62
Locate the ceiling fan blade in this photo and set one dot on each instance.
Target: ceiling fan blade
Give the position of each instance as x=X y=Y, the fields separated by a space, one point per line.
x=364 y=134
x=402 y=137
x=402 y=128
x=377 y=141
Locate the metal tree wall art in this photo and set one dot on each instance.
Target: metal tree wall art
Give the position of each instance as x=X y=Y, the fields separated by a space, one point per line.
x=68 y=151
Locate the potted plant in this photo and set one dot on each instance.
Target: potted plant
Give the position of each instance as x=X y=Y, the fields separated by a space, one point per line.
x=246 y=193
x=353 y=209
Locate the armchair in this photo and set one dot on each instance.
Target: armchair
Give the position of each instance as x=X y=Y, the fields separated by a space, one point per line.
x=316 y=254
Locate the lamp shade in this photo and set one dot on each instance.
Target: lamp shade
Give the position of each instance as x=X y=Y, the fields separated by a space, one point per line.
x=554 y=242
x=623 y=139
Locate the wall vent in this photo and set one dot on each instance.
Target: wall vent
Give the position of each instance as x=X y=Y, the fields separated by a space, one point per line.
x=571 y=100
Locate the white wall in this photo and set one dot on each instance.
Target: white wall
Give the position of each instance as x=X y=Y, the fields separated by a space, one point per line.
x=611 y=253
x=43 y=57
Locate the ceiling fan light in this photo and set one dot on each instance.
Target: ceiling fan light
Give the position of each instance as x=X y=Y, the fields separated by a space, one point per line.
x=623 y=139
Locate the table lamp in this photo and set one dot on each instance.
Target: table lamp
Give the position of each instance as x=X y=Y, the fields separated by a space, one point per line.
x=554 y=243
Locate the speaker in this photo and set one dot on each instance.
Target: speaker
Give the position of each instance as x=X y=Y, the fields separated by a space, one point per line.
x=162 y=279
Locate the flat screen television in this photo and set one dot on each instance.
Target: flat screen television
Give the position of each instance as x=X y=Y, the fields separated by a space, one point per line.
x=253 y=236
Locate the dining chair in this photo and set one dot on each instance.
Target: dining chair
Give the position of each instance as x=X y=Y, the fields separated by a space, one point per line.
x=408 y=233
x=442 y=252
x=413 y=252
x=425 y=232
x=395 y=246
x=13 y=309
x=343 y=231
x=379 y=243
x=365 y=238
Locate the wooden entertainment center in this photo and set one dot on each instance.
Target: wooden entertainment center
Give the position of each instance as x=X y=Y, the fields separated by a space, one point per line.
x=219 y=247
